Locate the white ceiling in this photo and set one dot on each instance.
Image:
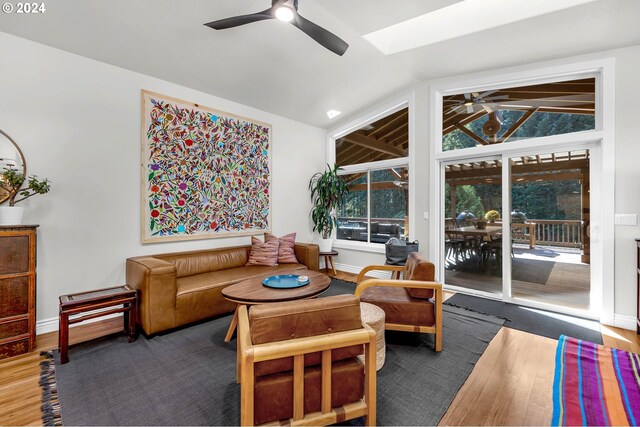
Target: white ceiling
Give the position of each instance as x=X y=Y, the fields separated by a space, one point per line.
x=273 y=66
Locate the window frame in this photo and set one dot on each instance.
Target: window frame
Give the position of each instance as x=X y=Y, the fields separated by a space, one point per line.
x=406 y=101
x=603 y=69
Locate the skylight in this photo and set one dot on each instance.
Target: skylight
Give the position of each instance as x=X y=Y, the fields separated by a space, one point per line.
x=460 y=19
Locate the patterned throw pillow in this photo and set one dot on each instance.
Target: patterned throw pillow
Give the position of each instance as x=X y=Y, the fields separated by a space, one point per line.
x=286 y=253
x=263 y=253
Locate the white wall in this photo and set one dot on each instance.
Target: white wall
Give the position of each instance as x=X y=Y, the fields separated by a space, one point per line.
x=627 y=175
x=78 y=123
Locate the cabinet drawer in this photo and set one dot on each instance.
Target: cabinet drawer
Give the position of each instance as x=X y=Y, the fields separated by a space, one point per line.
x=12 y=329
x=14 y=348
x=14 y=254
x=14 y=296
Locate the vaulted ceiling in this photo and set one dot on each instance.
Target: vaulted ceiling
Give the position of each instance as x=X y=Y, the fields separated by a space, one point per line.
x=273 y=66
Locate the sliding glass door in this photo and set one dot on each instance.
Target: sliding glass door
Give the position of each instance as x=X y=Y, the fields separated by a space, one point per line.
x=550 y=228
x=472 y=232
x=517 y=227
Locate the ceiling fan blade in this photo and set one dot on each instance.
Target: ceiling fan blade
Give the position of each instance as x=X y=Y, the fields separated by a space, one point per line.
x=327 y=39
x=236 y=21
x=467 y=96
x=483 y=95
x=554 y=101
x=452 y=110
x=470 y=109
x=495 y=98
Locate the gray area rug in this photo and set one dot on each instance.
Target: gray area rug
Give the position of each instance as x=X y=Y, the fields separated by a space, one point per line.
x=523 y=269
x=534 y=321
x=187 y=377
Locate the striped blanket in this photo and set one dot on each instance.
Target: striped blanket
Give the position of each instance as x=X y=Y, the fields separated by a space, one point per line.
x=594 y=385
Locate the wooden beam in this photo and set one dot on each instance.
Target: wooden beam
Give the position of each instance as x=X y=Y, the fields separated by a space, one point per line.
x=448 y=123
x=496 y=180
x=395 y=122
x=518 y=169
x=517 y=125
x=471 y=134
x=374 y=144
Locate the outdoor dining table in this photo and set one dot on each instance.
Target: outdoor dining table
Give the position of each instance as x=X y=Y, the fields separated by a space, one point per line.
x=475 y=236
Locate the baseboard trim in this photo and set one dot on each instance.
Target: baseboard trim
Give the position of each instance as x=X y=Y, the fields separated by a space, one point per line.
x=356 y=270
x=45 y=326
x=624 y=321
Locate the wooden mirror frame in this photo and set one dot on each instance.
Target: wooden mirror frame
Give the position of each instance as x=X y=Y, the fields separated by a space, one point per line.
x=4 y=197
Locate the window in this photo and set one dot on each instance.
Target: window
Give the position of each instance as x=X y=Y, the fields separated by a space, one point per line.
x=509 y=114
x=374 y=162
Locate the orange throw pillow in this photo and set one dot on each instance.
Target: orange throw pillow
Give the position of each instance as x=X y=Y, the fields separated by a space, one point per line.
x=263 y=253
x=286 y=252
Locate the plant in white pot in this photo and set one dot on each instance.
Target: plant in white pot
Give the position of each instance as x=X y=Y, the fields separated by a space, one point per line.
x=328 y=192
x=12 y=182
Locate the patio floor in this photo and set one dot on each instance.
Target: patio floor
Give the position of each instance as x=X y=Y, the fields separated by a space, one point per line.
x=547 y=274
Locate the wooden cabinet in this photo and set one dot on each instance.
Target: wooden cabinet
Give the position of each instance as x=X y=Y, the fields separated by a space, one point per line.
x=17 y=289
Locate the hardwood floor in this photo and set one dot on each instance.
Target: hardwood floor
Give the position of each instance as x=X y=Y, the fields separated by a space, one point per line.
x=568 y=283
x=510 y=384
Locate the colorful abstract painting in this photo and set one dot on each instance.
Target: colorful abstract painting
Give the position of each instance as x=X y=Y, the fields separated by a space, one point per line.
x=205 y=173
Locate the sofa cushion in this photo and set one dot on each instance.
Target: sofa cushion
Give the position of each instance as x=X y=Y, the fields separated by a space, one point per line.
x=263 y=253
x=274 y=393
x=286 y=253
x=216 y=279
x=399 y=306
x=190 y=263
x=388 y=229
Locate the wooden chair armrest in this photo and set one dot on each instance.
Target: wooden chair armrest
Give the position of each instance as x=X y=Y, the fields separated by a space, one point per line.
x=280 y=349
x=400 y=284
x=378 y=267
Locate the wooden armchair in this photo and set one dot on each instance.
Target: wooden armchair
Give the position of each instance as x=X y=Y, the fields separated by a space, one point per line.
x=298 y=363
x=413 y=304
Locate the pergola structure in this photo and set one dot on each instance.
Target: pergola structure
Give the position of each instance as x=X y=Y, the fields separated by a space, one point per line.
x=388 y=138
x=572 y=165
x=572 y=97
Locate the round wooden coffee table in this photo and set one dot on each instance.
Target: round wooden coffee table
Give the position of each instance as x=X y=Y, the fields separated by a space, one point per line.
x=251 y=292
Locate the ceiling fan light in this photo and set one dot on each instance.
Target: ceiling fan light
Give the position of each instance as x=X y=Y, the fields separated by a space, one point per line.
x=468 y=103
x=284 y=13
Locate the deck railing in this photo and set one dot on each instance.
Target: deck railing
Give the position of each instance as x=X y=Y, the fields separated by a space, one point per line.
x=558 y=232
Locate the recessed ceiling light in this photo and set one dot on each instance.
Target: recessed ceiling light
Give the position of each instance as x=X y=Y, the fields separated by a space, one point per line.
x=459 y=19
x=284 y=13
x=333 y=113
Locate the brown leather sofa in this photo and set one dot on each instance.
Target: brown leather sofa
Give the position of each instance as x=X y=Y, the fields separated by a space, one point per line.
x=180 y=288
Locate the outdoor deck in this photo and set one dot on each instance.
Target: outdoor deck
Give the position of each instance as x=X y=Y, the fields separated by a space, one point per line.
x=547 y=274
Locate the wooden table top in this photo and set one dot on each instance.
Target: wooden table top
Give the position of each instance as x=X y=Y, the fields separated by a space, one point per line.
x=472 y=231
x=98 y=295
x=252 y=291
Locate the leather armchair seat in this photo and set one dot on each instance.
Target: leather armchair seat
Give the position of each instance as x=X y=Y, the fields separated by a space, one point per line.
x=413 y=304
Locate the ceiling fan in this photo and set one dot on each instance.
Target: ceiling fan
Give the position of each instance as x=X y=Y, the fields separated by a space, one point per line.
x=287 y=11
x=474 y=101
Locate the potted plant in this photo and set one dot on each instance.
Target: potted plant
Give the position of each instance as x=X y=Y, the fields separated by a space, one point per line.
x=492 y=216
x=328 y=192
x=12 y=181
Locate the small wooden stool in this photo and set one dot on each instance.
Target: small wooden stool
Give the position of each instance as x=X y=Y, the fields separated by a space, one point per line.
x=328 y=260
x=93 y=300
